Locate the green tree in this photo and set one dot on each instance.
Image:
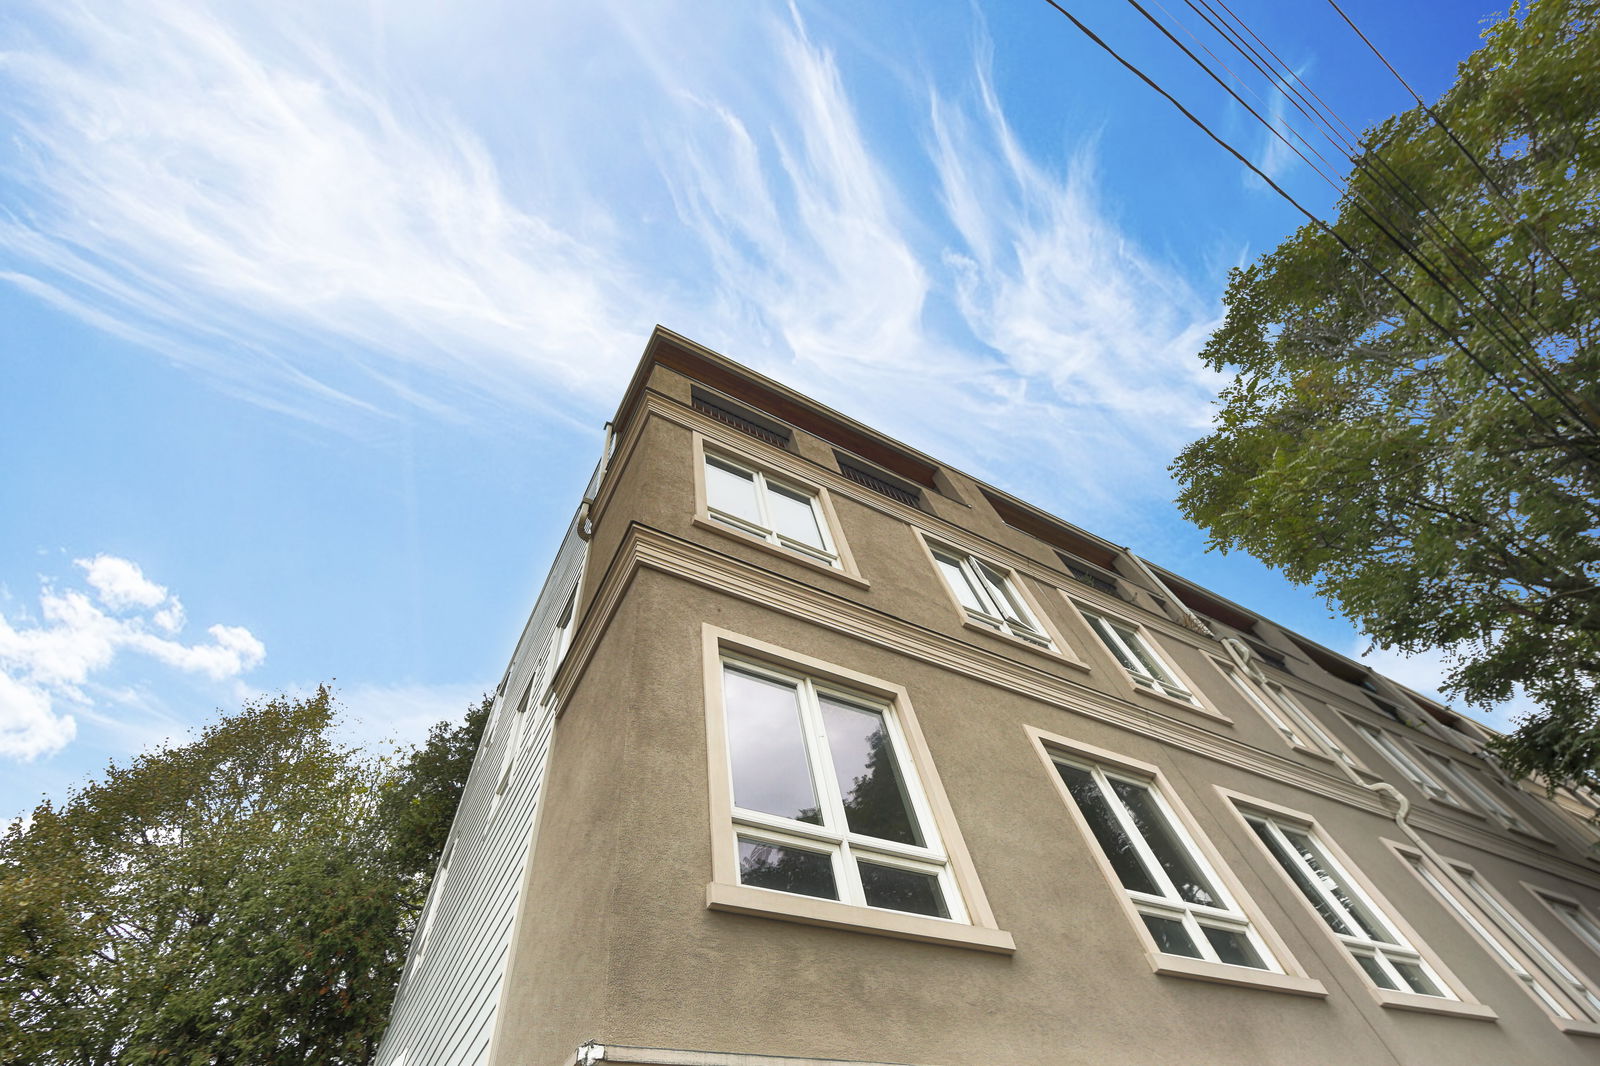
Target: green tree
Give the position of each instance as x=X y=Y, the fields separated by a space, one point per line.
x=420 y=799
x=236 y=899
x=1442 y=494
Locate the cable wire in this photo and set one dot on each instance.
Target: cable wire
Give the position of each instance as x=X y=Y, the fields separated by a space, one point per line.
x=1378 y=272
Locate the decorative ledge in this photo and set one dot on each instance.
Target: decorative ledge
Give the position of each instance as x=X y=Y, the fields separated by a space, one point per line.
x=764 y=903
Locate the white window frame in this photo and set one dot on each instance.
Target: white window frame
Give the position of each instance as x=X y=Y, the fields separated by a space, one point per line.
x=971 y=923
x=991 y=586
x=1281 y=712
x=780 y=468
x=834 y=837
x=1479 y=795
x=1137 y=659
x=1413 y=771
x=765 y=529
x=1407 y=946
x=1580 y=920
x=1236 y=912
x=1570 y=999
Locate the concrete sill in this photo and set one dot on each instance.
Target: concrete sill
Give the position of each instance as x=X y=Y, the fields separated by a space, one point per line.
x=1242 y=976
x=838 y=573
x=765 y=903
x=1433 y=1005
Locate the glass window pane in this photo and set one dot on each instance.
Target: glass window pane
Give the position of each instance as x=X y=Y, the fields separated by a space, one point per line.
x=875 y=800
x=1233 y=947
x=902 y=890
x=793 y=515
x=1379 y=975
x=1370 y=926
x=1004 y=596
x=1103 y=630
x=771 y=773
x=1416 y=977
x=1171 y=853
x=957 y=577
x=767 y=865
x=1107 y=830
x=1171 y=936
x=1148 y=661
x=1302 y=879
x=732 y=491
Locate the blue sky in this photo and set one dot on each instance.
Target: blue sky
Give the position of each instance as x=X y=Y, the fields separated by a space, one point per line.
x=311 y=314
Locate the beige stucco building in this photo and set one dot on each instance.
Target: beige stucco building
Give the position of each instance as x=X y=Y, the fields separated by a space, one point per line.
x=816 y=748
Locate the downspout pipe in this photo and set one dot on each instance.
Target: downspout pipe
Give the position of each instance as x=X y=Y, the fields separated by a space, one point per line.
x=585 y=523
x=1179 y=610
x=1244 y=656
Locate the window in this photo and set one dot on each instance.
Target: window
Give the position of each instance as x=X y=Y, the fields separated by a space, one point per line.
x=1465 y=785
x=1372 y=939
x=767 y=507
x=1558 y=987
x=824 y=802
x=1177 y=895
x=1090 y=575
x=1143 y=665
x=1409 y=767
x=988 y=595
x=1280 y=720
x=1574 y=916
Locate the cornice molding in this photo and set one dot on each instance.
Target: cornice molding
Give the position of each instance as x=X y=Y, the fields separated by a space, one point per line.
x=646 y=548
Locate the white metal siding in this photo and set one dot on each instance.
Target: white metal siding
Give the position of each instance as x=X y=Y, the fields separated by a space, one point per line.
x=444 y=1010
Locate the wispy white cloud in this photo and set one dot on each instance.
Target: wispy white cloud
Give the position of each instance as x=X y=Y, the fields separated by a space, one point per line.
x=244 y=202
x=1045 y=276
x=54 y=658
x=325 y=238
x=380 y=715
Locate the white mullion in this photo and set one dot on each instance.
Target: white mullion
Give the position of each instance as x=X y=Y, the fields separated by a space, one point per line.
x=1128 y=658
x=1140 y=845
x=1315 y=880
x=980 y=589
x=1197 y=933
x=912 y=782
x=759 y=485
x=850 y=890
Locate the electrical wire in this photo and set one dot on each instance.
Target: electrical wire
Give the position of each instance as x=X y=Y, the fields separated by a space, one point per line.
x=1396 y=185
x=1410 y=249
x=1376 y=271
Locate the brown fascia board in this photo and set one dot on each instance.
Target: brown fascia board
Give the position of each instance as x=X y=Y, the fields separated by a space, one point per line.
x=1212 y=606
x=699 y=363
x=1052 y=530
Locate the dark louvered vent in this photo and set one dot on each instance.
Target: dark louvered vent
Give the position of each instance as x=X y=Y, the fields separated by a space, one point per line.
x=724 y=412
x=1268 y=654
x=879 y=484
x=1090 y=575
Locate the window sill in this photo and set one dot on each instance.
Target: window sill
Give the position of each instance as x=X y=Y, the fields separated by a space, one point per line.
x=1053 y=654
x=761 y=903
x=1576 y=1028
x=1242 y=976
x=1433 y=1005
x=1189 y=705
x=701 y=522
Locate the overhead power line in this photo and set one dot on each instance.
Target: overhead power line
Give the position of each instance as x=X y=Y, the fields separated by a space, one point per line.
x=1511 y=216
x=1458 y=253
x=1448 y=335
